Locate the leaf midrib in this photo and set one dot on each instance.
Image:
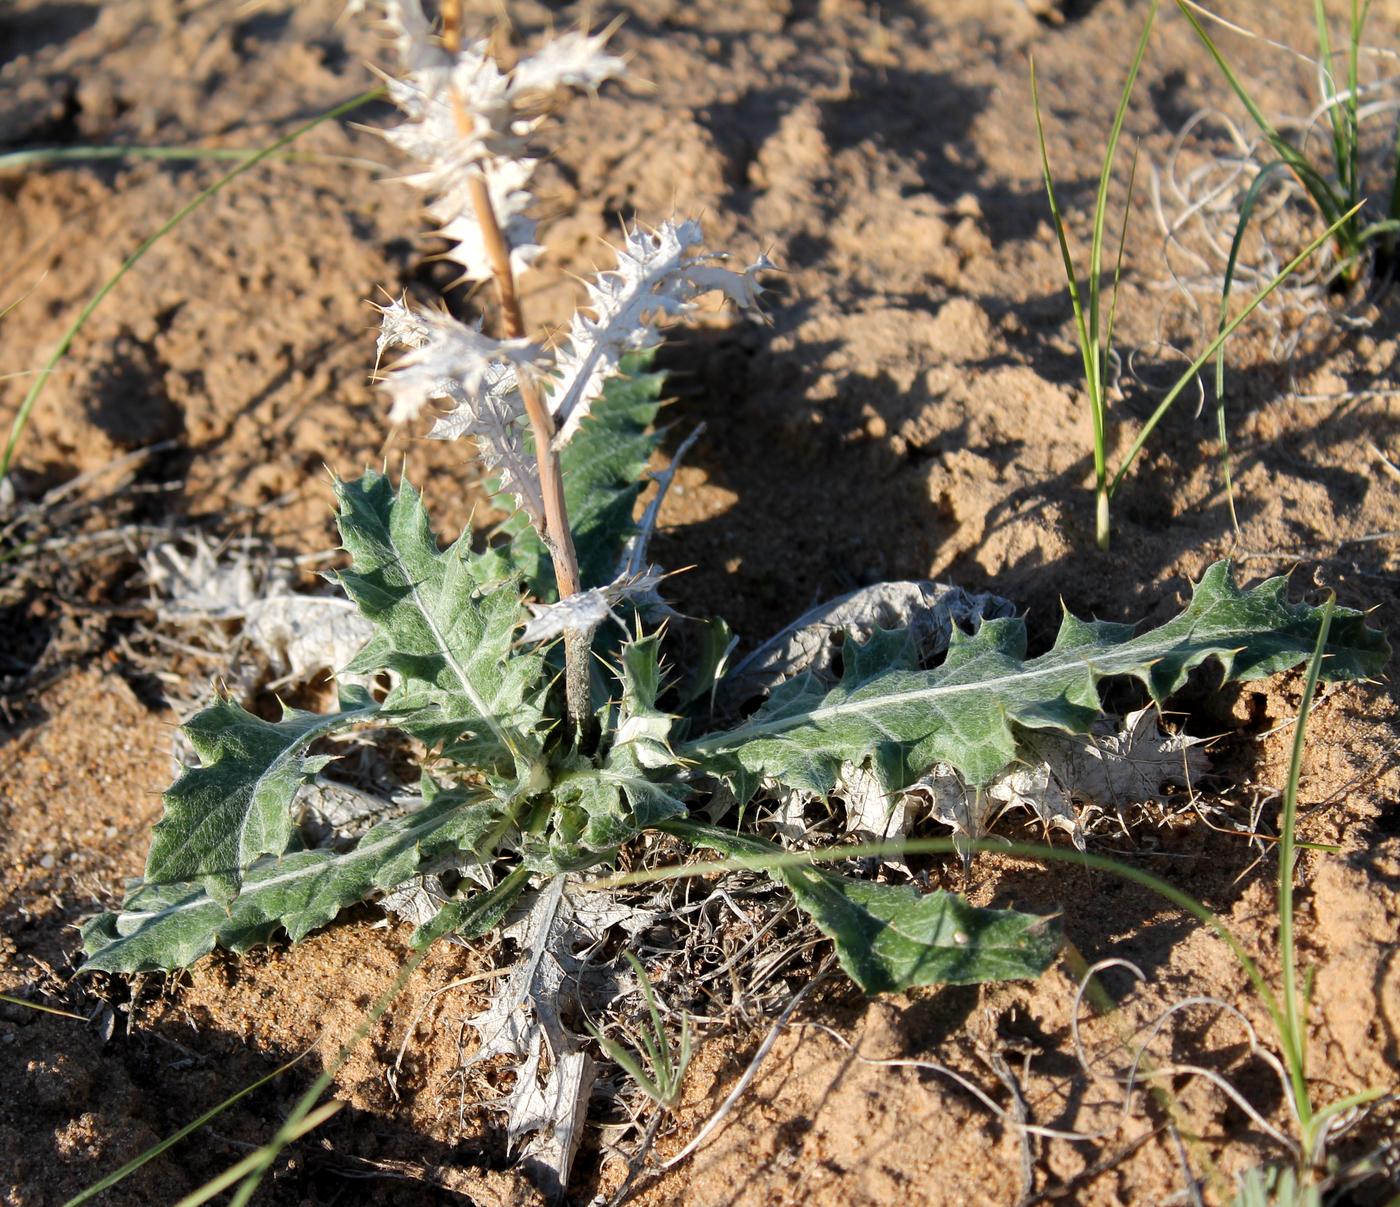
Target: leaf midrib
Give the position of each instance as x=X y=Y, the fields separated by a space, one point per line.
x=1127 y=658
x=468 y=688
x=293 y=749
x=425 y=826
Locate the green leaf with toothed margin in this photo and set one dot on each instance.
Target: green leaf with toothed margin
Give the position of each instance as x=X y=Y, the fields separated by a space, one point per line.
x=968 y=711
x=167 y=926
x=892 y=937
x=221 y=816
x=447 y=635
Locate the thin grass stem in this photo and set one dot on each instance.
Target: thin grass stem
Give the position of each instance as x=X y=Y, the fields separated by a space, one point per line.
x=1225 y=332
x=1293 y=1032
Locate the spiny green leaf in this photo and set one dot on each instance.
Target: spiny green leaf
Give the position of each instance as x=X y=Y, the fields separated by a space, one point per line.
x=604 y=469
x=476 y=914
x=891 y=937
x=172 y=925
x=966 y=712
x=221 y=816
x=447 y=634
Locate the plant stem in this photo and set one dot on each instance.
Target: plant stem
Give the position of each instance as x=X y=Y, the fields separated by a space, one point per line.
x=558 y=537
x=1295 y=1028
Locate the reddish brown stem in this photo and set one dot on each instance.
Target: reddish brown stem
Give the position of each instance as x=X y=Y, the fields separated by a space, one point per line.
x=557 y=535
x=555 y=532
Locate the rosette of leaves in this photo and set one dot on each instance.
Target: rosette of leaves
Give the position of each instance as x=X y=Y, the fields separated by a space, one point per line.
x=501 y=783
x=527 y=779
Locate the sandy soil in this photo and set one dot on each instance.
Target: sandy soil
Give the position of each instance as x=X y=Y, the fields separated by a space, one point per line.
x=912 y=411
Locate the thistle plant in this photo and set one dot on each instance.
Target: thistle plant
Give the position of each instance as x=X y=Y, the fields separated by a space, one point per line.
x=521 y=788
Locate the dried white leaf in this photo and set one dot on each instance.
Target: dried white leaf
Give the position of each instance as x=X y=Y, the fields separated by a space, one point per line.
x=412 y=33
x=416 y=901
x=656 y=277
x=1120 y=763
x=927 y=608
x=332 y=810
x=872 y=812
x=400 y=326
x=788 y=814
x=505 y=183
x=303 y=635
x=951 y=802
x=584 y=612
x=1123 y=765
x=524 y=1020
x=1036 y=789
x=194 y=581
x=572 y=60
x=476 y=378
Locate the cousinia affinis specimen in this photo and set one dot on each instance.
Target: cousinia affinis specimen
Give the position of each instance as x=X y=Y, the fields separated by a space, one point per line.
x=469 y=126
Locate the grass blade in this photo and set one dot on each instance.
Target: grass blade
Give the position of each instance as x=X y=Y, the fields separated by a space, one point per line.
x=156 y=1149
x=1251 y=198
x=1057 y=218
x=1336 y=116
x=1101 y=199
x=251 y=161
x=251 y=1163
x=1293 y=1032
x=42 y=155
x=1331 y=206
x=1087 y=347
x=1186 y=378
x=1118 y=263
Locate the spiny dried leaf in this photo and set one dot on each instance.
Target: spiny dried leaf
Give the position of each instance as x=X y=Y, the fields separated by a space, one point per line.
x=526 y=1016
x=465 y=118
x=1116 y=765
x=585 y=612
x=656 y=278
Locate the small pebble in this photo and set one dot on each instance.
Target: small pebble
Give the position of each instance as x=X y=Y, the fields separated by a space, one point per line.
x=876 y=427
x=47 y=862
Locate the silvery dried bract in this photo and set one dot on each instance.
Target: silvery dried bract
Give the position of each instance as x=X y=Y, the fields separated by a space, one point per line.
x=505 y=184
x=658 y=275
x=585 y=612
x=474 y=380
x=1118 y=764
x=467 y=118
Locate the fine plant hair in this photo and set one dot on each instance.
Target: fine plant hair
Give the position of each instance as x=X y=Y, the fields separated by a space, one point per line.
x=1095 y=316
